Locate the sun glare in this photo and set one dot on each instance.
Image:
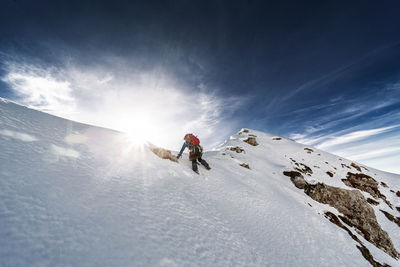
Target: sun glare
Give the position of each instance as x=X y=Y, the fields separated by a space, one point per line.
x=139 y=130
x=136 y=138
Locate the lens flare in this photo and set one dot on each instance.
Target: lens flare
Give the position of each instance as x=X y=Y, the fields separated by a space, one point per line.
x=138 y=130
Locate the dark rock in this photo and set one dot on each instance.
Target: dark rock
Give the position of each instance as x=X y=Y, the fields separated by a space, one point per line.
x=390 y=217
x=398 y=193
x=365 y=183
x=251 y=140
x=363 y=249
x=364 y=168
x=354 y=207
x=356 y=211
x=304 y=168
x=344 y=165
x=237 y=149
x=373 y=202
x=276 y=138
x=243 y=131
x=330 y=174
x=367 y=255
x=245 y=165
x=355 y=166
x=296 y=178
x=309 y=150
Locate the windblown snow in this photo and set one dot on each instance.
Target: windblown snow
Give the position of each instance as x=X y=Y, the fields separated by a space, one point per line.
x=78 y=195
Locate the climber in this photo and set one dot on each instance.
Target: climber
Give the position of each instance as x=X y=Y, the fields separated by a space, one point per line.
x=196 y=151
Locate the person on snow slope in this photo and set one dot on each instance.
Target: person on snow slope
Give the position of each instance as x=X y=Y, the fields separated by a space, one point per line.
x=196 y=151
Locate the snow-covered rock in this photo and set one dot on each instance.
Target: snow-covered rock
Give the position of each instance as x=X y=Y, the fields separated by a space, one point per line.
x=78 y=195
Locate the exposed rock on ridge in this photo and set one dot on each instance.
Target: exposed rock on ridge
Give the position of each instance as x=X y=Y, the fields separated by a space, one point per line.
x=365 y=183
x=355 y=208
x=251 y=140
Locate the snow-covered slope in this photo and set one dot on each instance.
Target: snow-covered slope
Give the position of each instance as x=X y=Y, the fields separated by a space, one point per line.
x=78 y=195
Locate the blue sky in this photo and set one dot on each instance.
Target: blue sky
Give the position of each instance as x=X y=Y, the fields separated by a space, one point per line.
x=324 y=73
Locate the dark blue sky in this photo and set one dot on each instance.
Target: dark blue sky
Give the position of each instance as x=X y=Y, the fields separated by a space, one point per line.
x=315 y=71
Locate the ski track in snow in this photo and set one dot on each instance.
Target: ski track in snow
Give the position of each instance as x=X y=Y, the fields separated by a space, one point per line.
x=77 y=195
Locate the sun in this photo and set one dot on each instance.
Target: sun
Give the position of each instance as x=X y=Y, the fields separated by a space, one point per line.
x=136 y=138
x=144 y=126
x=139 y=130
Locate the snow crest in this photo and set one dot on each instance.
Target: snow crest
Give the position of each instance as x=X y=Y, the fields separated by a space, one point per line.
x=74 y=194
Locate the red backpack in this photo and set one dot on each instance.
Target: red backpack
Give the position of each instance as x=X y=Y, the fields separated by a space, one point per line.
x=193 y=139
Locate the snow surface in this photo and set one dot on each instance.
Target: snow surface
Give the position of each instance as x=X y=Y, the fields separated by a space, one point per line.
x=78 y=195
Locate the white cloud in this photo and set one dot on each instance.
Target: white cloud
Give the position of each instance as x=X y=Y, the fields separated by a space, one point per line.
x=380 y=153
x=297 y=136
x=376 y=152
x=40 y=90
x=151 y=105
x=352 y=137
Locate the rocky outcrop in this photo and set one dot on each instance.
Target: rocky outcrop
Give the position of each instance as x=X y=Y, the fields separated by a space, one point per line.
x=309 y=150
x=365 y=183
x=251 y=140
x=276 y=138
x=243 y=131
x=355 y=166
x=296 y=178
x=356 y=211
x=244 y=165
x=330 y=174
x=237 y=149
x=384 y=185
x=390 y=217
x=344 y=165
x=304 y=168
x=372 y=202
x=363 y=249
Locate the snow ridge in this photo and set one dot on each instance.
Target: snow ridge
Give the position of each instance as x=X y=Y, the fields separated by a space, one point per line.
x=74 y=194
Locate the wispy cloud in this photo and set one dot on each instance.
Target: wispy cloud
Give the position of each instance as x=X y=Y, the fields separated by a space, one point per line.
x=381 y=153
x=352 y=137
x=40 y=89
x=124 y=98
x=374 y=147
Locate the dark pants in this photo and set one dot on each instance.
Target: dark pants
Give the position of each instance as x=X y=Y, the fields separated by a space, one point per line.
x=202 y=161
